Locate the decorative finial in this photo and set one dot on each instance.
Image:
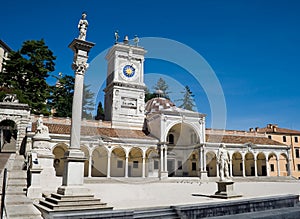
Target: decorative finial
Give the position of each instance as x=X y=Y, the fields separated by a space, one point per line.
x=126 y=41
x=159 y=93
x=136 y=40
x=82 y=26
x=116 y=36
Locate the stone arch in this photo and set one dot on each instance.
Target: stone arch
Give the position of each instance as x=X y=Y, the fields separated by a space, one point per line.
x=283 y=164
x=272 y=158
x=152 y=162
x=211 y=164
x=179 y=132
x=8 y=135
x=249 y=164
x=261 y=164
x=86 y=162
x=117 y=162
x=59 y=151
x=237 y=164
x=99 y=161
x=135 y=162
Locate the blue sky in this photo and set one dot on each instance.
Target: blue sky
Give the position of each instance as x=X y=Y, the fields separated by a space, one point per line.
x=252 y=46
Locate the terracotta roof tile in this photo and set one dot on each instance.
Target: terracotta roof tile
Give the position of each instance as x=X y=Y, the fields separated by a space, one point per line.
x=236 y=139
x=90 y=131
x=278 y=130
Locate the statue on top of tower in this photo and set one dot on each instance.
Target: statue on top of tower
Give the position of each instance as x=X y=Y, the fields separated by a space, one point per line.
x=82 y=26
x=116 y=36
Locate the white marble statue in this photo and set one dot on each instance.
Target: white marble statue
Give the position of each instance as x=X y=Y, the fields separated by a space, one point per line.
x=41 y=128
x=223 y=162
x=82 y=26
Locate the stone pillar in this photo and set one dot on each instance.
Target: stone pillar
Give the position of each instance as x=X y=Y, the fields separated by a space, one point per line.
x=161 y=159
x=74 y=158
x=90 y=165
x=144 y=166
x=166 y=158
x=267 y=167
x=255 y=166
x=278 y=166
x=108 y=164
x=126 y=166
x=244 y=167
x=202 y=161
x=231 y=170
x=162 y=172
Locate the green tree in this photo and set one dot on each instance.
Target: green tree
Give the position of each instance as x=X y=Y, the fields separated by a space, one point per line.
x=187 y=100
x=62 y=96
x=161 y=85
x=26 y=72
x=149 y=95
x=100 y=112
x=88 y=104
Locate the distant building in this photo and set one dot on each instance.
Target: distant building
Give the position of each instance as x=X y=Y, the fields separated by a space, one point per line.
x=288 y=137
x=4 y=51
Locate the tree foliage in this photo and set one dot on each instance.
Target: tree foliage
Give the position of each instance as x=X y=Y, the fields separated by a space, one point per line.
x=88 y=104
x=62 y=96
x=162 y=86
x=187 y=100
x=26 y=72
x=100 y=112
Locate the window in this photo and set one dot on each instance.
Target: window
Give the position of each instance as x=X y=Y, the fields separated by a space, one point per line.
x=194 y=156
x=270 y=137
x=156 y=164
x=171 y=139
x=298 y=165
x=241 y=167
x=135 y=164
x=179 y=165
x=297 y=152
x=272 y=167
x=194 y=166
x=284 y=138
x=296 y=139
x=120 y=164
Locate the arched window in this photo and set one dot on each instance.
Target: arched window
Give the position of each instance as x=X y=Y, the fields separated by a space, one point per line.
x=171 y=139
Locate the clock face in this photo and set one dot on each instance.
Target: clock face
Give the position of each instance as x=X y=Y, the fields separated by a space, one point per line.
x=129 y=71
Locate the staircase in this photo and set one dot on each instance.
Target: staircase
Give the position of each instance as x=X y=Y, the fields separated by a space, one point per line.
x=17 y=205
x=166 y=213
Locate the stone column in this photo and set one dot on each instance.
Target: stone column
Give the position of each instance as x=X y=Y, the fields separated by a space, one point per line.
x=74 y=158
x=231 y=170
x=108 y=164
x=244 y=167
x=255 y=166
x=161 y=159
x=278 y=166
x=267 y=167
x=90 y=165
x=166 y=158
x=218 y=170
x=144 y=166
x=126 y=166
x=162 y=172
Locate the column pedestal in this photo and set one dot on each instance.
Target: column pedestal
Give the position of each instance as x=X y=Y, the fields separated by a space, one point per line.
x=225 y=190
x=203 y=175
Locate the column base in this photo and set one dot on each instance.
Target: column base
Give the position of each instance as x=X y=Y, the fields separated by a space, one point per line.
x=203 y=175
x=163 y=175
x=225 y=190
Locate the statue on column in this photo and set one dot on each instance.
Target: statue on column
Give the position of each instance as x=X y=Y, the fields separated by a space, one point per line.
x=41 y=129
x=82 y=26
x=223 y=162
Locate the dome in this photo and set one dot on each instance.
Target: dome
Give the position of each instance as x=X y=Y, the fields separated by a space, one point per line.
x=157 y=104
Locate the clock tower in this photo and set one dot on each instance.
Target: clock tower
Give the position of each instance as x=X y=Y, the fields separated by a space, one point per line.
x=125 y=89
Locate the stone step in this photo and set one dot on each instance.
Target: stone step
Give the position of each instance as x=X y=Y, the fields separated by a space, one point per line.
x=17 y=200
x=72 y=198
x=66 y=202
x=17 y=189
x=16 y=182
x=73 y=204
x=23 y=211
x=48 y=207
x=21 y=174
x=167 y=213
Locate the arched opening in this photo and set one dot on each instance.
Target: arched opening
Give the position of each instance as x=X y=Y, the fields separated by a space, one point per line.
x=99 y=162
x=86 y=162
x=249 y=164
x=152 y=163
x=283 y=165
x=170 y=139
x=135 y=162
x=8 y=135
x=211 y=164
x=58 y=163
x=261 y=164
x=237 y=164
x=272 y=158
x=117 y=162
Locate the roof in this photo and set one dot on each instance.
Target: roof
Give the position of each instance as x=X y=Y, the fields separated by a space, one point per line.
x=273 y=129
x=100 y=131
x=157 y=104
x=238 y=139
x=5 y=46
